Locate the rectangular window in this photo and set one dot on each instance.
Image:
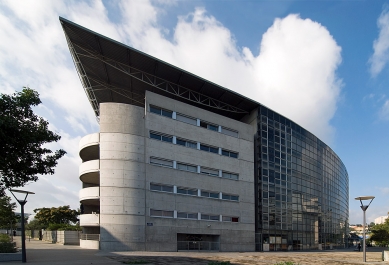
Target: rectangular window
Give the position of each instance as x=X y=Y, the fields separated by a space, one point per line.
x=230 y=132
x=208 y=148
x=186 y=167
x=210 y=194
x=229 y=153
x=184 y=215
x=230 y=197
x=209 y=217
x=229 y=175
x=230 y=219
x=186 y=143
x=186 y=119
x=209 y=171
x=161 y=162
x=161 y=213
x=161 y=187
x=187 y=191
x=209 y=126
x=161 y=137
x=160 y=111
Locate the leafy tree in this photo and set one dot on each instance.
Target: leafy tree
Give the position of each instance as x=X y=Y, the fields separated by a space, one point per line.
x=53 y=215
x=22 y=136
x=380 y=233
x=7 y=214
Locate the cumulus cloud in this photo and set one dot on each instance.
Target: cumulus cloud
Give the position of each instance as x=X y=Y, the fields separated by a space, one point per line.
x=294 y=73
x=380 y=57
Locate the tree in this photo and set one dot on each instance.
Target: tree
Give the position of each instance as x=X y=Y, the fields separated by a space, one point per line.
x=7 y=214
x=53 y=215
x=22 y=136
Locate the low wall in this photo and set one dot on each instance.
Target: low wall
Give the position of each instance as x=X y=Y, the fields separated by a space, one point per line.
x=62 y=237
x=90 y=244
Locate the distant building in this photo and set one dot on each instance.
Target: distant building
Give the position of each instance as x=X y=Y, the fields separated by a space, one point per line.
x=180 y=163
x=380 y=220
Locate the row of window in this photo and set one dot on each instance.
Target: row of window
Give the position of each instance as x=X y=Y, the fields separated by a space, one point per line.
x=193 y=121
x=195 y=145
x=193 y=168
x=193 y=216
x=193 y=192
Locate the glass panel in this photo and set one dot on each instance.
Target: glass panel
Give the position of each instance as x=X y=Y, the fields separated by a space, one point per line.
x=230 y=132
x=181 y=142
x=161 y=162
x=155 y=110
x=225 y=153
x=213 y=127
x=205 y=217
x=155 y=187
x=155 y=136
x=204 y=147
x=191 y=145
x=192 y=192
x=192 y=168
x=214 y=195
x=167 y=188
x=226 y=196
x=214 y=150
x=235 y=219
x=204 y=194
x=181 y=215
x=214 y=217
x=208 y=171
x=234 y=198
x=226 y=219
x=168 y=214
x=234 y=155
x=167 y=113
x=181 y=191
x=192 y=216
x=167 y=139
x=186 y=119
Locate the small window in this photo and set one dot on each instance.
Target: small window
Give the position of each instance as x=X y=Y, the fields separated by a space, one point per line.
x=161 y=187
x=161 y=162
x=228 y=175
x=230 y=197
x=187 y=191
x=208 y=148
x=210 y=194
x=184 y=215
x=209 y=126
x=186 y=143
x=209 y=171
x=230 y=219
x=186 y=119
x=186 y=167
x=230 y=132
x=160 y=213
x=209 y=217
x=229 y=153
x=161 y=137
x=160 y=111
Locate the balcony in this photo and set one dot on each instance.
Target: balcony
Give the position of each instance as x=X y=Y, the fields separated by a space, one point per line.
x=90 y=195
x=89 y=147
x=89 y=172
x=92 y=219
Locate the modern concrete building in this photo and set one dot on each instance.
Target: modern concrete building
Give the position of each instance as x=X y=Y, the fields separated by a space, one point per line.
x=181 y=163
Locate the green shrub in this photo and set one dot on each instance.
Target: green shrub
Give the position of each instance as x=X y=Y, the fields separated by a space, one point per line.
x=5 y=238
x=7 y=247
x=63 y=227
x=219 y=263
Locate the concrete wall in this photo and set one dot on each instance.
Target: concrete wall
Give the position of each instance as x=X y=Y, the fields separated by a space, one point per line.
x=126 y=174
x=62 y=237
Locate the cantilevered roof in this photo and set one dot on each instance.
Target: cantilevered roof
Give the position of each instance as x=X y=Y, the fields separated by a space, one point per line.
x=114 y=72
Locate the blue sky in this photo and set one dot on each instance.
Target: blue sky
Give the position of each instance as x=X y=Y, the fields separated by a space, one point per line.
x=324 y=64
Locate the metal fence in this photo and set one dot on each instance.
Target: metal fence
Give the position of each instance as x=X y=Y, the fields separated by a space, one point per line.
x=198 y=245
x=90 y=237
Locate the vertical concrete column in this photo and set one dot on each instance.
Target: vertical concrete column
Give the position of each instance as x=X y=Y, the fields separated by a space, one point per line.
x=174 y=164
x=174 y=140
x=175 y=189
x=198 y=216
x=220 y=195
x=219 y=129
x=220 y=173
x=199 y=192
x=198 y=122
x=175 y=213
x=198 y=169
x=174 y=115
x=220 y=151
x=198 y=145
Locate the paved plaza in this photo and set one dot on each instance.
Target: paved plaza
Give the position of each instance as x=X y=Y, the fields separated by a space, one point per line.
x=41 y=252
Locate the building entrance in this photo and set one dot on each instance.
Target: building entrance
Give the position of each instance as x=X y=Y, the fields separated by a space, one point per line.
x=198 y=242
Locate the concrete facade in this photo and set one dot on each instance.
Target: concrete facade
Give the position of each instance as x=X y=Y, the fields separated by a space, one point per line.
x=126 y=173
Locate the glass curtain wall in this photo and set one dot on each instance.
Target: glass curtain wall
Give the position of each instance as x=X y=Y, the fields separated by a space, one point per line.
x=301 y=188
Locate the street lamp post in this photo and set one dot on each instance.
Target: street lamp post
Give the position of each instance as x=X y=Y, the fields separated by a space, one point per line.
x=364 y=208
x=22 y=203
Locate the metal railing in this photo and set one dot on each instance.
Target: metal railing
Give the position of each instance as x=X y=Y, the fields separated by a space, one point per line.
x=198 y=245
x=95 y=237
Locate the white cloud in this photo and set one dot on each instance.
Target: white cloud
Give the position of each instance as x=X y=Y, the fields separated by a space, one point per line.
x=384 y=111
x=380 y=57
x=294 y=73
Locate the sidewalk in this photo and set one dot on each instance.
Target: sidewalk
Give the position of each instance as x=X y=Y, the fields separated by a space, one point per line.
x=42 y=252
